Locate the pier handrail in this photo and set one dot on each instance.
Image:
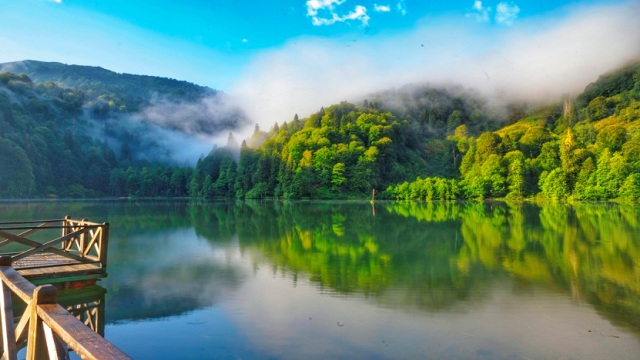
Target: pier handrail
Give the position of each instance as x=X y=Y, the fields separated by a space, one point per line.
x=81 y=240
x=46 y=327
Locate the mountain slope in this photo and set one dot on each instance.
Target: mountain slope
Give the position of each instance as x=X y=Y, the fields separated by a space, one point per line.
x=583 y=150
x=129 y=93
x=77 y=131
x=54 y=143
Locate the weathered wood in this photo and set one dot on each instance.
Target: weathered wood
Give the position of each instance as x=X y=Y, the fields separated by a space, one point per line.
x=6 y=260
x=45 y=326
x=56 y=349
x=87 y=305
x=58 y=272
x=65 y=230
x=17 y=283
x=4 y=223
x=9 y=350
x=86 y=343
x=104 y=245
x=22 y=327
x=37 y=347
x=37 y=247
x=81 y=242
x=43 y=260
x=27 y=233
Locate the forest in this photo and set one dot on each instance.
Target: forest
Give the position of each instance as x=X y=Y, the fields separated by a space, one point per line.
x=582 y=149
x=416 y=142
x=444 y=144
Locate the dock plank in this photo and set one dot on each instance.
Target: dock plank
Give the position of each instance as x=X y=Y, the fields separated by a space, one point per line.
x=53 y=266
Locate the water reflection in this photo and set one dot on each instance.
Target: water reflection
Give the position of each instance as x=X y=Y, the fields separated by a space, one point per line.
x=431 y=277
x=87 y=305
x=164 y=273
x=439 y=253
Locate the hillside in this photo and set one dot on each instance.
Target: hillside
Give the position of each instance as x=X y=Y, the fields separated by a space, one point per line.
x=79 y=131
x=427 y=143
x=417 y=142
x=587 y=149
x=346 y=150
x=47 y=149
x=120 y=92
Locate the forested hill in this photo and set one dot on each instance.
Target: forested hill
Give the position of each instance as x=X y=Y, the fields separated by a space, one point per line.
x=425 y=143
x=120 y=92
x=587 y=149
x=79 y=131
x=345 y=150
x=417 y=142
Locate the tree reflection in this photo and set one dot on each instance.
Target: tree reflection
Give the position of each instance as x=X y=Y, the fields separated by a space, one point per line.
x=429 y=256
x=432 y=255
x=591 y=251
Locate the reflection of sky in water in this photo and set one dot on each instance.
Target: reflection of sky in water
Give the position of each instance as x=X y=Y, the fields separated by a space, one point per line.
x=167 y=273
x=270 y=315
x=253 y=281
x=507 y=325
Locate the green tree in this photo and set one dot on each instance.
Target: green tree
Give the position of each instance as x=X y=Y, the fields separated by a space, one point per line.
x=630 y=189
x=568 y=159
x=337 y=176
x=515 y=175
x=16 y=178
x=532 y=140
x=612 y=138
x=554 y=184
x=585 y=188
x=195 y=185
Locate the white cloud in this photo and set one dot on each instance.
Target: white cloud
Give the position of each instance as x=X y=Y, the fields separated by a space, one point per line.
x=245 y=40
x=401 y=7
x=314 y=6
x=382 y=8
x=540 y=59
x=324 y=12
x=507 y=13
x=56 y=1
x=479 y=12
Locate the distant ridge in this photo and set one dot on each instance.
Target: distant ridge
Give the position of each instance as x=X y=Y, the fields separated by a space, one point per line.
x=95 y=81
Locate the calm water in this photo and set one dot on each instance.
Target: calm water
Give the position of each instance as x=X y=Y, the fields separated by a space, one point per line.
x=339 y=280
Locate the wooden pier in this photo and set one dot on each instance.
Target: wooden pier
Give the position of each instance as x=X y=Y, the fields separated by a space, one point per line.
x=61 y=251
x=66 y=252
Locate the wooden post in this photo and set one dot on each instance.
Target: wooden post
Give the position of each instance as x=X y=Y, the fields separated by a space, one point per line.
x=8 y=339
x=82 y=243
x=100 y=317
x=41 y=343
x=47 y=328
x=6 y=260
x=104 y=245
x=65 y=230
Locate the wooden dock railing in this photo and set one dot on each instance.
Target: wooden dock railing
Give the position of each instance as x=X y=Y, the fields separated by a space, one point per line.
x=89 y=307
x=60 y=242
x=47 y=329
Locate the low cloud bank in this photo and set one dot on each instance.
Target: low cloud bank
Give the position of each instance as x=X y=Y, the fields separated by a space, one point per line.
x=172 y=132
x=208 y=116
x=535 y=60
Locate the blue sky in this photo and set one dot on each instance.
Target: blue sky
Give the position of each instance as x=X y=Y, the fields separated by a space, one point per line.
x=293 y=56
x=209 y=42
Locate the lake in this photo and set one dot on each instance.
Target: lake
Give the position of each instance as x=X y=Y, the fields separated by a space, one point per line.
x=349 y=280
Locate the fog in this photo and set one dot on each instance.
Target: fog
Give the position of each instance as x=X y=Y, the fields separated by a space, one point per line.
x=533 y=60
x=169 y=131
x=208 y=116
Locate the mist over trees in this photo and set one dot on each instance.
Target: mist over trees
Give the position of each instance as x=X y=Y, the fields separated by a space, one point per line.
x=47 y=148
x=587 y=149
x=425 y=143
x=416 y=142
